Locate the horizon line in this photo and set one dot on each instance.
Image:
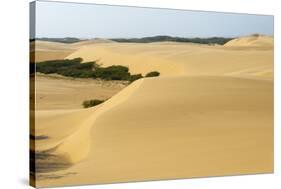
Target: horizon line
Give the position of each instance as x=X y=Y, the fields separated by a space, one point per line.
x=89 y=38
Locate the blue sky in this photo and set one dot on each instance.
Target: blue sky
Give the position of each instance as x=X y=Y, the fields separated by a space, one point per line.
x=56 y=19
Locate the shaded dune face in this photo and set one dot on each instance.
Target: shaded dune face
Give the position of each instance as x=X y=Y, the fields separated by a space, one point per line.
x=210 y=113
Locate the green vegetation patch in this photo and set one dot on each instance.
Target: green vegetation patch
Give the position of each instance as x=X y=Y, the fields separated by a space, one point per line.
x=152 y=74
x=135 y=77
x=76 y=69
x=113 y=73
x=68 y=68
x=162 y=38
x=92 y=103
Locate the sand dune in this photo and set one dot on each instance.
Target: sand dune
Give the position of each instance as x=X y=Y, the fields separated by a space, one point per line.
x=251 y=41
x=210 y=113
x=187 y=134
x=170 y=58
x=45 y=50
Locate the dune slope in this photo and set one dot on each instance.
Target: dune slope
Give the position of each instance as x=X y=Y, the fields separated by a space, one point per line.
x=173 y=127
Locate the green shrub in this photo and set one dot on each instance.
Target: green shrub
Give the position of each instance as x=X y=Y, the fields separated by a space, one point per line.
x=68 y=68
x=77 y=73
x=152 y=74
x=210 y=40
x=113 y=73
x=135 y=77
x=75 y=68
x=91 y=103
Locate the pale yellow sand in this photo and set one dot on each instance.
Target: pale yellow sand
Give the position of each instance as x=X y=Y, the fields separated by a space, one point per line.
x=210 y=113
x=56 y=92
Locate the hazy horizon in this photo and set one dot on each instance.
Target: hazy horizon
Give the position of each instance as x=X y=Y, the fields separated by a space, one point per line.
x=88 y=21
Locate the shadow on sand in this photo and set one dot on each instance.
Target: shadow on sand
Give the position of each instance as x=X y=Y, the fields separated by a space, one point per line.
x=44 y=164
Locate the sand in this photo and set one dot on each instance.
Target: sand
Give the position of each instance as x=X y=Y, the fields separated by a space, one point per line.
x=210 y=113
x=57 y=92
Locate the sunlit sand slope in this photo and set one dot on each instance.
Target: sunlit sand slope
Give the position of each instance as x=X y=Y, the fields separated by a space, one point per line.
x=166 y=127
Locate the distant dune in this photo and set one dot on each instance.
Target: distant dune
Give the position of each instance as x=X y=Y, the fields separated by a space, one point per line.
x=172 y=58
x=210 y=113
x=251 y=41
x=46 y=50
x=91 y=42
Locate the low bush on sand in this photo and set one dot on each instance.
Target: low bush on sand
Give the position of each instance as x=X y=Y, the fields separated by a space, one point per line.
x=152 y=74
x=76 y=69
x=92 y=103
x=135 y=77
